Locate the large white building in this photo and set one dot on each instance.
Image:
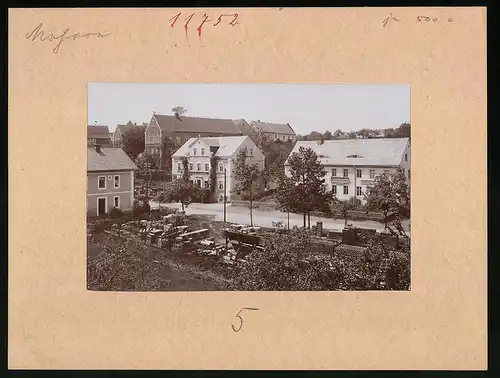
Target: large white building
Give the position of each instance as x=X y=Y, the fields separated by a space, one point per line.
x=352 y=165
x=199 y=151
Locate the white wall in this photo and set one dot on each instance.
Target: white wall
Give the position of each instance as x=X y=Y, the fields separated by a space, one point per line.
x=352 y=181
x=406 y=163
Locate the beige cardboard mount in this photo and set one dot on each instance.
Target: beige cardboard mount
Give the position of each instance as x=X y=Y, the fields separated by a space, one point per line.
x=54 y=322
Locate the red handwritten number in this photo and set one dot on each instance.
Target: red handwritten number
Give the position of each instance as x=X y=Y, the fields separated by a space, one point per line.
x=175 y=19
x=205 y=19
x=187 y=23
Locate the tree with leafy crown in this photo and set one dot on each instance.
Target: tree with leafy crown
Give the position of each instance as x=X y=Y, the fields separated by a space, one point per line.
x=388 y=194
x=246 y=175
x=133 y=142
x=182 y=188
x=308 y=175
x=286 y=197
x=179 y=110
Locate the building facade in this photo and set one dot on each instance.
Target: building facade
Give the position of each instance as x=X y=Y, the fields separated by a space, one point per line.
x=199 y=152
x=179 y=129
x=110 y=180
x=352 y=165
x=274 y=131
x=97 y=134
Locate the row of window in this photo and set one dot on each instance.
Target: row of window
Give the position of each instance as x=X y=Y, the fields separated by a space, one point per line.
x=359 y=190
x=283 y=137
x=359 y=172
x=153 y=138
x=206 y=184
x=195 y=152
x=206 y=167
x=102 y=182
x=91 y=142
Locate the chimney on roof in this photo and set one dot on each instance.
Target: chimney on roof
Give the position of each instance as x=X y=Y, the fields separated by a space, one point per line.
x=98 y=148
x=178 y=116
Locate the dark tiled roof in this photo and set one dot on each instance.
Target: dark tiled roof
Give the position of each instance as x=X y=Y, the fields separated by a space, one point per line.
x=195 y=124
x=275 y=128
x=109 y=159
x=97 y=131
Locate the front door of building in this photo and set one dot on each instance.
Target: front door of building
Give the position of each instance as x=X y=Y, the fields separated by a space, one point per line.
x=101 y=206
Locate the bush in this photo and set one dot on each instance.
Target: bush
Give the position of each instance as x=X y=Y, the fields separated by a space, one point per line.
x=101 y=225
x=155 y=214
x=201 y=195
x=115 y=213
x=121 y=268
x=141 y=206
x=291 y=262
x=404 y=212
x=255 y=196
x=160 y=175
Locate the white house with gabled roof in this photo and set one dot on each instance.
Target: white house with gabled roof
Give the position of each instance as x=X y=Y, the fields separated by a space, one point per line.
x=352 y=165
x=199 y=151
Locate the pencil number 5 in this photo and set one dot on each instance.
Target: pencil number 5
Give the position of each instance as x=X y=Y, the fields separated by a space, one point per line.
x=238 y=328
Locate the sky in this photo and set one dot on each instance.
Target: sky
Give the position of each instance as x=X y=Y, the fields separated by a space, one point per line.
x=306 y=107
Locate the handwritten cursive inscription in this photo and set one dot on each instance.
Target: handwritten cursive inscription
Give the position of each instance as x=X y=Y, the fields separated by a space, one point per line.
x=389 y=19
x=419 y=20
x=38 y=34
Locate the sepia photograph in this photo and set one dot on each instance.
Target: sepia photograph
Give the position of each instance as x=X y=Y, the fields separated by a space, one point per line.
x=248 y=187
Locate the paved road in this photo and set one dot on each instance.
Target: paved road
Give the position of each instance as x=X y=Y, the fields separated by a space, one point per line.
x=241 y=215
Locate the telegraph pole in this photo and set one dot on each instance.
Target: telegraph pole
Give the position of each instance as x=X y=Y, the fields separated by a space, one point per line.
x=225 y=198
x=148 y=173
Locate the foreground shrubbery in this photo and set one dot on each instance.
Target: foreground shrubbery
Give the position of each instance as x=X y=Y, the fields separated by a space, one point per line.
x=290 y=262
x=122 y=269
x=141 y=206
x=287 y=264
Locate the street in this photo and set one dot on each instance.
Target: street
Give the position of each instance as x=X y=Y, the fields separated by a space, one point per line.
x=241 y=215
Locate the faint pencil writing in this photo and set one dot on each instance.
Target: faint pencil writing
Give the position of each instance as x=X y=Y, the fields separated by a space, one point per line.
x=419 y=20
x=389 y=19
x=38 y=34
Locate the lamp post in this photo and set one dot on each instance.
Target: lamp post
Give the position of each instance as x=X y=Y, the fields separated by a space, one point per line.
x=288 y=215
x=225 y=200
x=147 y=167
